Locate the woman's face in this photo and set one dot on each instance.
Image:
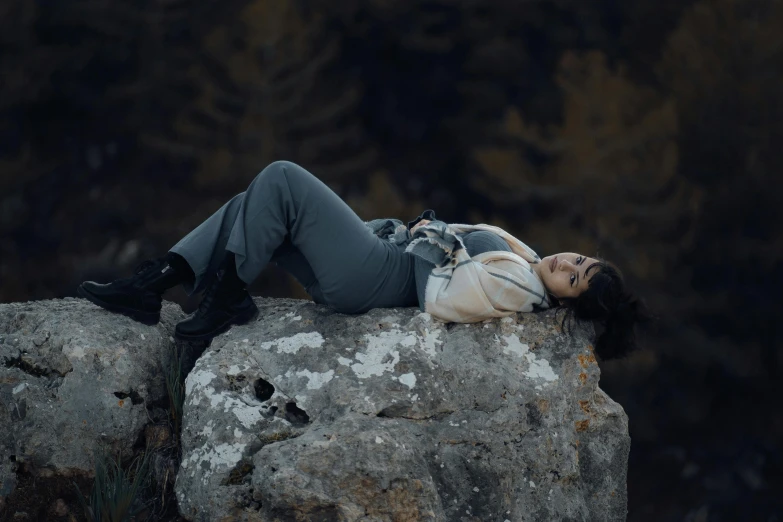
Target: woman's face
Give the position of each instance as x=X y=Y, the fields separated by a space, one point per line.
x=566 y=274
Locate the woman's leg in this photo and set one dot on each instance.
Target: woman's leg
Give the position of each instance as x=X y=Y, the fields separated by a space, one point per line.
x=291 y=259
x=205 y=246
x=290 y=217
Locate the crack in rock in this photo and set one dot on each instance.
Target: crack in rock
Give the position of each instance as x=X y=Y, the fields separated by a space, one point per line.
x=31 y=367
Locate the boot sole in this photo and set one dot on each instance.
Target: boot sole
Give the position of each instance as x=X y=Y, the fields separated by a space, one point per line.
x=238 y=320
x=148 y=318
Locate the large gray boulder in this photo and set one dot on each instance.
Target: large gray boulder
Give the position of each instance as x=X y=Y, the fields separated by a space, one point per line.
x=309 y=414
x=74 y=380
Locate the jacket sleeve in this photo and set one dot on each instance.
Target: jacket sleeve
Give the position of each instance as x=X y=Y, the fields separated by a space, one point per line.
x=394 y=230
x=476 y=242
x=383 y=227
x=428 y=214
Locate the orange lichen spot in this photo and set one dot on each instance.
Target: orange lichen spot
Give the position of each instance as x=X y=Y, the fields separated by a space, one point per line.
x=586 y=360
x=543 y=405
x=582 y=425
x=583 y=377
x=612 y=493
x=120 y=402
x=585 y=405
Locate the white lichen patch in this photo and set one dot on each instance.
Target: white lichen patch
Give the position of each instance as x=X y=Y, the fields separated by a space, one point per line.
x=222 y=455
x=295 y=342
x=198 y=379
x=514 y=345
x=248 y=415
x=429 y=341
x=344 y=361
x=75 y=352
x=380 y=356
x=315 y=380
x=206 y=431
x=408 y=379
x=537 y=367
x=391 y=319
x=293 y=316
x=234 y=369
x=378 y=440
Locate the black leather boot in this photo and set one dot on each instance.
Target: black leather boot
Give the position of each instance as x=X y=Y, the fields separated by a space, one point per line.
x=226 y=302
x=139 y=296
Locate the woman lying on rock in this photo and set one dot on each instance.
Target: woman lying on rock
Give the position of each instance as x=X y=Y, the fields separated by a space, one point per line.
x=457 y=273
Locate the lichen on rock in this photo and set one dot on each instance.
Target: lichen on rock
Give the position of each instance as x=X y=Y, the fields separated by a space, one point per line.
x=310 y=414
x=391 y=415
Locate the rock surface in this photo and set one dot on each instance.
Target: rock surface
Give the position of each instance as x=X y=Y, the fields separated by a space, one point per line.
x=75 y=379
x=308 y=414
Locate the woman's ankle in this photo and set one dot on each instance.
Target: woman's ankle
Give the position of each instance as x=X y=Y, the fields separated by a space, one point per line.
x=229 y=267
x=181 y=267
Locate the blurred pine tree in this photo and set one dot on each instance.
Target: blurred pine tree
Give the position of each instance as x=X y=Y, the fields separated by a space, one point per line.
x=265 y=91
x=722 y=66
x=603 y=179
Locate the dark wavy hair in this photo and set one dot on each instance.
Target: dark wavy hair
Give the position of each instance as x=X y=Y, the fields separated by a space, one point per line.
x=609 y=303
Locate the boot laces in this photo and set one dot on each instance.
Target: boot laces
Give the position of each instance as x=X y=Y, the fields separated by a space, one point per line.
x=209 y=295
x=143 y=271
x=144 y=266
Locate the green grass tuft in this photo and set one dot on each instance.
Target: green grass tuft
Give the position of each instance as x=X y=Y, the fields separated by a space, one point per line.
x=176 y=391
x=114 y=490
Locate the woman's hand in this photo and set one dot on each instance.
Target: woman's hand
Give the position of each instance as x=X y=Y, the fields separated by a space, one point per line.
x=420 y=223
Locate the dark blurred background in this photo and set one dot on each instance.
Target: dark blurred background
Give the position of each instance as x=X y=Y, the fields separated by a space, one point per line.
x=649 y=132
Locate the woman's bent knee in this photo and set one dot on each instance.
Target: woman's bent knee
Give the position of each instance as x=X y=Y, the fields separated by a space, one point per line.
x=274 y=172
x=281 y=170
x=279 y=167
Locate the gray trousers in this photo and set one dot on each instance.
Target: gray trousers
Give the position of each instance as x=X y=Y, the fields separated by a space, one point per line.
x=291 y=218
